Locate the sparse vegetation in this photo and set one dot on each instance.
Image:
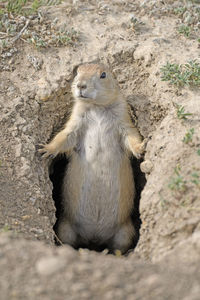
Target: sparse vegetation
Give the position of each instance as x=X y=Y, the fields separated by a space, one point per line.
x=15 y=6
x=179 y=10
x=25 y=7
x=38 y=42
x=177 y=182
x=163 y=202
x=192 y=71
x=135 y=23
x=184 y=30
x=60 y=38
x=20 y=7
x=180 y=111
x=5 y=228
x=15 y=24
x=181 y=75
x=171 y=73
x=3 y=44
x=66 y=37
x=196 y=179
x=188 y=136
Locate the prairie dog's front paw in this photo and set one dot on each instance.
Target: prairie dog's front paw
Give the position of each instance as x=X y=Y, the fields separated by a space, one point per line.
x=47 y=150
x=139 y=149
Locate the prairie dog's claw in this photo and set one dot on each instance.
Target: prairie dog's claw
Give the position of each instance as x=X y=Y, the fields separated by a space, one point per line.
x=140 y=150
x=44 y=151
x=143 y=146
x=45 y=154
x=138 y=156
x=144 y=143
x=40 y=148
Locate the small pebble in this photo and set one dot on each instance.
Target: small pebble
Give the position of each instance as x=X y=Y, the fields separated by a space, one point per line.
x=146 y=166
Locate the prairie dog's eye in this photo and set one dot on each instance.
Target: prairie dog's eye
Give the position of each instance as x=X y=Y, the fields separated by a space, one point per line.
x=103 y=75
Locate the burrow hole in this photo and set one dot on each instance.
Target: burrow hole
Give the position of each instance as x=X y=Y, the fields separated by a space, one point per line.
x=56 y=174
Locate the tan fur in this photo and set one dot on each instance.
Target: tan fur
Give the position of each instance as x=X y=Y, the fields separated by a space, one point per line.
x=98 y=187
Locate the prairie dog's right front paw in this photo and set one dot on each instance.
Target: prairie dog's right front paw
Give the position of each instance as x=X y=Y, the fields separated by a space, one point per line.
x=47 y=150
x=136 y=148
x=140 y=149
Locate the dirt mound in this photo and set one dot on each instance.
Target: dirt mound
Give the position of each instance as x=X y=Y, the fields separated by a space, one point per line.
x=32 y=270
x=136 y=40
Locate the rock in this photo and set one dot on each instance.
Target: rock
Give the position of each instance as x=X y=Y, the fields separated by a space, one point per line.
x=146 y=166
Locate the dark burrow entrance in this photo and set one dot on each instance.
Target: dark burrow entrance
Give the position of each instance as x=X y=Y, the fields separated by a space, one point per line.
x=56 y=174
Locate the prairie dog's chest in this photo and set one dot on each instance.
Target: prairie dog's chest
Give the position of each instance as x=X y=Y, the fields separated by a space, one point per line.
x=100 y=134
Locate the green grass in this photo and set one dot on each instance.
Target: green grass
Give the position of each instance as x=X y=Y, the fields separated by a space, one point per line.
x=183 y=74
x=15 y=6
x=3 y=44
x=180 y=111
x=66 y=37
x=172 y=73
x=194 y=1
x=188 y=136
x=25 y=7
x=196 y=179
x=43 y=36
x=5 y=228
x=63 y=37
x=192 y=72
x=177 y=183
x=184 y=30
x=37 y=42
x=179 y=10
x=163 y=202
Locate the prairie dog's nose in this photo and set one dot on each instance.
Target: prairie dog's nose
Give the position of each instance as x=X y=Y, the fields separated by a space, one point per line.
x=82 y=85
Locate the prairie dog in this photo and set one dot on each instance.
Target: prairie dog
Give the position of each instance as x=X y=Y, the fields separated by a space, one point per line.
x=98 y=187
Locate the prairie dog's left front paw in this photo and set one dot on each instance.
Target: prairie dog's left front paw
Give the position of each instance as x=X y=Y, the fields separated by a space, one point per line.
x=47 y=150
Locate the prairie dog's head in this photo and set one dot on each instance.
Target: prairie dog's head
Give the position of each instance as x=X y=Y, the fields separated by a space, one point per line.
x=95 y=84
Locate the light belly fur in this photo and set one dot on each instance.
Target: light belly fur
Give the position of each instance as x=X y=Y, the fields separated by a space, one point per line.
x=98 y=181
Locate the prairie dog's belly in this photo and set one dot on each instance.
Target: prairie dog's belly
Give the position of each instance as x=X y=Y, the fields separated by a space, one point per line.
x=93 y=181
x=100 y=144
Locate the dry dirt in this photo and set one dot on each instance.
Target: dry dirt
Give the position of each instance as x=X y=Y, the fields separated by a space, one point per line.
x=35 y=100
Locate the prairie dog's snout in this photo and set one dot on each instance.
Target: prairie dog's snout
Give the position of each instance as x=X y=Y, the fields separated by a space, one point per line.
x=81 y=87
